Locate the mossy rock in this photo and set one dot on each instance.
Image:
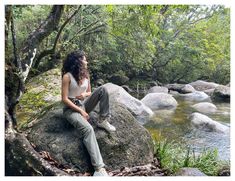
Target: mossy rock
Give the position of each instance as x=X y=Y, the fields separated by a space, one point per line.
x=41 y=91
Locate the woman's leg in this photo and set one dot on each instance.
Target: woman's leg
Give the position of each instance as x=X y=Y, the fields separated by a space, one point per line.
x=88 y=134
x=99 y=95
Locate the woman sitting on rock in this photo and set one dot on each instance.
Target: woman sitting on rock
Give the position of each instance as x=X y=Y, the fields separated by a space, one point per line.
x=79 y=102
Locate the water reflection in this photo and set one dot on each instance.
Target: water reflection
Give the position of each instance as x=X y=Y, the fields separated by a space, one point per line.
x=175 y=126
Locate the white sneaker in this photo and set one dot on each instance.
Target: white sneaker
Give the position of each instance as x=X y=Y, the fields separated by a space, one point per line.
x=106 y=125
x=101 y=172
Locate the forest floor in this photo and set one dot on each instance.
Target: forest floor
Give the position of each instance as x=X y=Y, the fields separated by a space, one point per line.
x=151 y=169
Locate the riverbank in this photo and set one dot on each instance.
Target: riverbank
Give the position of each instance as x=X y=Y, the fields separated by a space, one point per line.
x=135 y=107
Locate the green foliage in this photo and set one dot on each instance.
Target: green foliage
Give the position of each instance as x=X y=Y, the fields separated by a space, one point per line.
x=193 y=52
x=173 y=156
x=168 y=43
x=27 y=19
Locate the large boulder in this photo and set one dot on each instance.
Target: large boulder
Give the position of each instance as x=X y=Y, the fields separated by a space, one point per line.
x=187 y=89
x=135 y=106
x=196 y=96
x=159 y=101
x=130 y=145
x=158 y=89
x=41 y=91
x=205 y=107
x=202 y=121
x=201 y=85
x=221 y=93
x=181 y=88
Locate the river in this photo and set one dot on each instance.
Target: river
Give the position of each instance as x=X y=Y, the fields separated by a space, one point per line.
x=175 y=126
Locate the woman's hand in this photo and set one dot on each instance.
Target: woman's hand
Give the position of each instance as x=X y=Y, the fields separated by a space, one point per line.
x=84 y=114
x=82 y=96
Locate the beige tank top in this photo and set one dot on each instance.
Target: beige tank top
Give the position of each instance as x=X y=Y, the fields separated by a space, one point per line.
x=74 y=88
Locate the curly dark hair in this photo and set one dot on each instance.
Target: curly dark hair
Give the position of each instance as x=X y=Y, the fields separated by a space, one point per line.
x=73 y=64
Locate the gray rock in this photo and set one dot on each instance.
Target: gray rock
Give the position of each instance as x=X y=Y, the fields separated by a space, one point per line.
x=181 y=88
x=189 y=172
x=195 y=96
x=221 y=93
x=130 y=145
x=187 y=89
x=224 y=171
x=159 y=101
x=138 y=109
x=174 y=93
x=209 y=92
x=202 y=121
x=201 y=85
x=175 y=87
x=158 y=89
x=205 y=107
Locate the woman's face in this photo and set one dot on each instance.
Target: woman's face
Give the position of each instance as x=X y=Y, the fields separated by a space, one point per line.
x=84 y=61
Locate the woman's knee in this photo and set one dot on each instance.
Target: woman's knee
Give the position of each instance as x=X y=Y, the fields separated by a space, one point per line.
x=89 y=129
x=103 y=90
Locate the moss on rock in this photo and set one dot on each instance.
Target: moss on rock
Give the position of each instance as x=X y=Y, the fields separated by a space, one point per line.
x=41 y=91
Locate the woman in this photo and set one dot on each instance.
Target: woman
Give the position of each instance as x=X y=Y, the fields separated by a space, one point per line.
x=79 y=102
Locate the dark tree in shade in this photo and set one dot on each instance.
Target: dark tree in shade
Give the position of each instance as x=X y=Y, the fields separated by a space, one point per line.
x=20 y=157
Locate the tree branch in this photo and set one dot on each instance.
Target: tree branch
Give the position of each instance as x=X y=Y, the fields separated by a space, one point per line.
x=79 y=32
x=52 y=50
x=36 y=37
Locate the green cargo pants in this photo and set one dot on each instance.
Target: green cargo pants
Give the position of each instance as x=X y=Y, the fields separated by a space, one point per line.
x=100 y=95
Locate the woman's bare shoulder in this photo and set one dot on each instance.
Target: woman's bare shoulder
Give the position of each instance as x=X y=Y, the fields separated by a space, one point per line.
x=66 y=76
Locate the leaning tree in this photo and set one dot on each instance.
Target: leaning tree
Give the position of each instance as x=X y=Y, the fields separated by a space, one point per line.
x=20 y=157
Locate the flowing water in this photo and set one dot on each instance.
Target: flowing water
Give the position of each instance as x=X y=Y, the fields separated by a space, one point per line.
x=175 y=126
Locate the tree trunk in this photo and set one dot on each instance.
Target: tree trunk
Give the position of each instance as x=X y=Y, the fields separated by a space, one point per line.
x=36 y=37
x=8 y=14
x=20 y=156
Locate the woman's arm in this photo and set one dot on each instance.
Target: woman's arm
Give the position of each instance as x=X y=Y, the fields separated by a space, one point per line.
x=66 y=100
x=87 y=93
